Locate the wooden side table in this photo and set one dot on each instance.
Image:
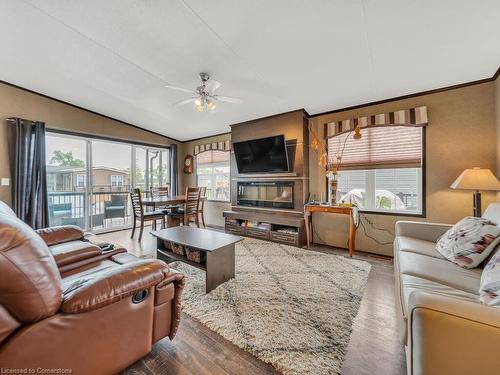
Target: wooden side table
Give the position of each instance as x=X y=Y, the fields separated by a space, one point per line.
x=310 y=208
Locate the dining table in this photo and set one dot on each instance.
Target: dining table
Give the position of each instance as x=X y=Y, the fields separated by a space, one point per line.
x=163 y=201
x=172 y=202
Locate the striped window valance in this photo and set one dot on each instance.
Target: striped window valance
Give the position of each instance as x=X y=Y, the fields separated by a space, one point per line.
x=415 y=117
x=216 y=146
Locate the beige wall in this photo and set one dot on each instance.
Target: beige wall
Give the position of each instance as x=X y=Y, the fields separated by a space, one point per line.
x=461 y=134
x=213 y=210
x=497 y=107
x=19 y=103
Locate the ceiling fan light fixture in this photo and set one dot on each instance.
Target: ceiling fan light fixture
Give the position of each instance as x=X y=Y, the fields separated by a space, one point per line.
x=204 y=96
x=211 y=105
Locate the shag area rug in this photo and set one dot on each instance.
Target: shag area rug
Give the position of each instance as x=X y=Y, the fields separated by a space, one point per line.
x=290 y=307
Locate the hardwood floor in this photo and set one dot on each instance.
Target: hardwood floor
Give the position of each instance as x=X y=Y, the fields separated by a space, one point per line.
x=374 y=347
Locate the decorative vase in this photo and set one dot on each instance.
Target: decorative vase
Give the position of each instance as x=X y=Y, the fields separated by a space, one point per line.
x=332 y=188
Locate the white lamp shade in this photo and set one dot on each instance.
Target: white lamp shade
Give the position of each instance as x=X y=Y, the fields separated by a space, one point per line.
x=476 y=179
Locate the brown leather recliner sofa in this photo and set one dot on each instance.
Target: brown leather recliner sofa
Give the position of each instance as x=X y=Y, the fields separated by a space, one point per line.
x=76 y=308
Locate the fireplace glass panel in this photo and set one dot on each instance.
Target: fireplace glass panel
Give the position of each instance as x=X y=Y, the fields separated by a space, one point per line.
x=266 y=194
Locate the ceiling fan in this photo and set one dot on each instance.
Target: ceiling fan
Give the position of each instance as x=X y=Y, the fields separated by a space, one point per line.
x=204 y=96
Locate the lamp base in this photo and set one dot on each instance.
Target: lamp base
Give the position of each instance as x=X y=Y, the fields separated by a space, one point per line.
x=477 y=204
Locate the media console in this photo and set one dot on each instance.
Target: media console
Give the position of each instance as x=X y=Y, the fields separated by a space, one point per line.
x=278 y=227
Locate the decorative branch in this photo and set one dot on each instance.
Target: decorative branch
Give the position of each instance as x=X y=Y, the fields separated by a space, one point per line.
x=319 y=145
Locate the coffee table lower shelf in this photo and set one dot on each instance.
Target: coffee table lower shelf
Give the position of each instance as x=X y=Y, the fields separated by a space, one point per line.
x=169 y=257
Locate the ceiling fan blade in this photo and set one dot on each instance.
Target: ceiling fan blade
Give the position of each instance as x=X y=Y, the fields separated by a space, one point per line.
x=211 y=85
x=179 y=88
x=185 y=101
x=228 y=99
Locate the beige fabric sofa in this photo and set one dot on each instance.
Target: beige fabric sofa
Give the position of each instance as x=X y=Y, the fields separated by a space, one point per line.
x=443 y=325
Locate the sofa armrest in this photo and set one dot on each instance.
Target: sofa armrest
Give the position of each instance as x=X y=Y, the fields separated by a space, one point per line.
x=466 y=309
x=60 y=234
x=442 y=327
x=95 y=291
x=67 y=253
x=421 y=230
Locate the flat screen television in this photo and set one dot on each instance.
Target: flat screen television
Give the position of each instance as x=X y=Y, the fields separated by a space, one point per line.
x=264 y=155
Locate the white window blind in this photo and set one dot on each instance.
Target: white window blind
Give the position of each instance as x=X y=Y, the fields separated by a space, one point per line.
x=210 y=157
x=378 y=148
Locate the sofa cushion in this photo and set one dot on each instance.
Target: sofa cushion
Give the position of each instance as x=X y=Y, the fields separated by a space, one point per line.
x=414 y=245
x=469 y=241
x=489 y=291
x=492 y=212
x=411 y=284
x=439 y=271
x=97 y=267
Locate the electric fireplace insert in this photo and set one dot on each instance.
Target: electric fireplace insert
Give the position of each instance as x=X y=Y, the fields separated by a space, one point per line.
x=269 y=194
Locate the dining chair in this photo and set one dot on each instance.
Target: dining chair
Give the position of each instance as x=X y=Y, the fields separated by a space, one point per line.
x=189 y=210
x=139 y=214
x=201 y=204
x=159 y=191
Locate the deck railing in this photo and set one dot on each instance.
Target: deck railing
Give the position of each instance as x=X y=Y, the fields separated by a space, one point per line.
x=109 y=208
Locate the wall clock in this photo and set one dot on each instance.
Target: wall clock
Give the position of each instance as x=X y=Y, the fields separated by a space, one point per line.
x=188 y=164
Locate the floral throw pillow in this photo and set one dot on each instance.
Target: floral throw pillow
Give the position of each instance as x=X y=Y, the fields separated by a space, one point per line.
x=469 y=241
x=489 y=290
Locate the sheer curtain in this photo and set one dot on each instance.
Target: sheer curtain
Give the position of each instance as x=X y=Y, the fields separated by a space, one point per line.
x=29 y=194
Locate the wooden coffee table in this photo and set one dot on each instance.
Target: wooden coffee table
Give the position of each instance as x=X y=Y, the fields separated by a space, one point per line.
x=218 y=247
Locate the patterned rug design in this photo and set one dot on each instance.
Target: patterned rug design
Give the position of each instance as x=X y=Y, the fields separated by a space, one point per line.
x=290 y=307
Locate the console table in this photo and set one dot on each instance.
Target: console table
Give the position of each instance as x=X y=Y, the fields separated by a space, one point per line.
x=310 y=208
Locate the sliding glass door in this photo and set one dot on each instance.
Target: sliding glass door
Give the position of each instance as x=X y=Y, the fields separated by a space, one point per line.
x=89 y=180
x=151 y=168
x=111 y=183
x=67 y=166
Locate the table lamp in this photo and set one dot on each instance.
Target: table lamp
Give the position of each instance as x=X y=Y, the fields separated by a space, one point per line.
x=476 y=179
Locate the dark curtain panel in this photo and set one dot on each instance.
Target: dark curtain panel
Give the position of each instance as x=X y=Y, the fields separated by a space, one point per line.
x=174 y=171
x=29 y=194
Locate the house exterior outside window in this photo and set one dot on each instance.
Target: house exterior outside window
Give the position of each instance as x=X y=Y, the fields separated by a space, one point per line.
x=212 y=172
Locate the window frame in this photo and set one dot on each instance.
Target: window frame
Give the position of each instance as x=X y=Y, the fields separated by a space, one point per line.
x=118 y=178
x=213 y=165
x=81 y=178
x=423 y=190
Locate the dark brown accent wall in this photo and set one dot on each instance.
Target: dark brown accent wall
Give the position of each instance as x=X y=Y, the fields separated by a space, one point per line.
x=293 y=125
